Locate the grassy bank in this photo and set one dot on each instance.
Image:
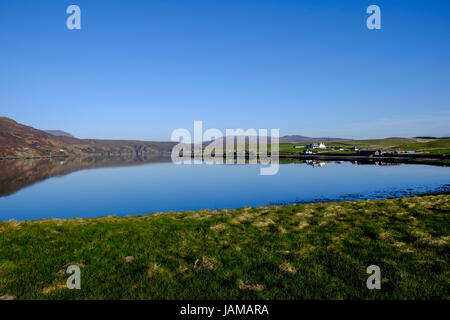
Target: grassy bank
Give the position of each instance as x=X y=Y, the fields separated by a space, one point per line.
x=304 y=251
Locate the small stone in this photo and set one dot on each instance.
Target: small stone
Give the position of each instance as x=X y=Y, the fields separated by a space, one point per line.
x=287 y=267
x=129 y=258
x=254 y=287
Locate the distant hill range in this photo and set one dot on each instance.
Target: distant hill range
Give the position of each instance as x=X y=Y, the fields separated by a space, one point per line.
x=59 y=133
x=20 y=141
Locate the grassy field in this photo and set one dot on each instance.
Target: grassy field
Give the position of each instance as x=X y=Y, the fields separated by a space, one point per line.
x=435 y=146
x=440 y=146
x=374 y=144
x=303 y=251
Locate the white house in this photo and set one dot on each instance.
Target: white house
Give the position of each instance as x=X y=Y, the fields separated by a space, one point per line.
x=317 y=146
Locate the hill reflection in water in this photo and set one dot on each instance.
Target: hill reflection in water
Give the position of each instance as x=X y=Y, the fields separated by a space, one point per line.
x=18 y=174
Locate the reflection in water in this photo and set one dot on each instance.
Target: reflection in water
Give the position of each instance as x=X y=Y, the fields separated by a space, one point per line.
x=315 y=163
x=322 y=163
x=17 y=174
x=124 y=186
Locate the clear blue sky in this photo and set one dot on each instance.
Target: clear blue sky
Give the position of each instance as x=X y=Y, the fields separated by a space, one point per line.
x=140 y=69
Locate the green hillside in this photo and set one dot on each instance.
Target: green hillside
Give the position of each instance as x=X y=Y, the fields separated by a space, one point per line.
x=388 y=143
x=441 y=146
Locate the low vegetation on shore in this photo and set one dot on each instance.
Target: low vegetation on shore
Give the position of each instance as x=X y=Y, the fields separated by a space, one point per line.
x=301 y=251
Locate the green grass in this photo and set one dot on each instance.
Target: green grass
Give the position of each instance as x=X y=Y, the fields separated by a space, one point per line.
x=304 y=251
x=374 y=144
x=438 y=146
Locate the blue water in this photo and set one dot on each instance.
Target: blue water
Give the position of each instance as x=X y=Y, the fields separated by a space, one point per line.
x=157 y=187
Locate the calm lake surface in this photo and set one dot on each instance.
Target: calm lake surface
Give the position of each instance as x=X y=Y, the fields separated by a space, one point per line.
x=56 y=189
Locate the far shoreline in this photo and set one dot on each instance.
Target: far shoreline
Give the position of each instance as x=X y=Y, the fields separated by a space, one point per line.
x=432 y=159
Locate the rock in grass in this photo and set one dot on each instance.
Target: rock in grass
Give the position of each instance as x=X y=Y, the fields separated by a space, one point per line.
x=287 y=267
x=255 y=287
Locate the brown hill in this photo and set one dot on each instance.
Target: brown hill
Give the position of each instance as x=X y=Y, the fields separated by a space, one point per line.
x=20 y=141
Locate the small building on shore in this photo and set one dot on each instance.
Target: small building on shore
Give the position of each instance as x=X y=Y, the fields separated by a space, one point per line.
x=369 y=153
